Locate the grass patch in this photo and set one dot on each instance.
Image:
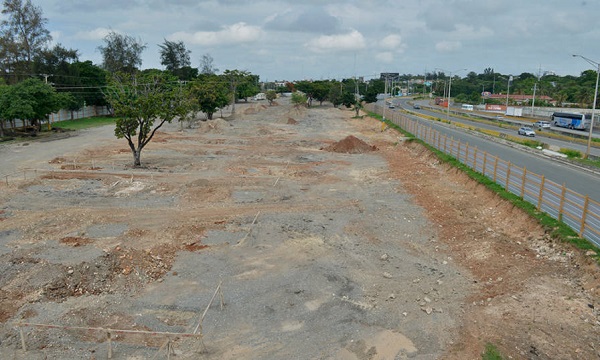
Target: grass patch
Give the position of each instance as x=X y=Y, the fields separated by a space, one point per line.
x=85 y=123
x=571 y=154
x=491 y=352
x=531 y=143
x=589 y=162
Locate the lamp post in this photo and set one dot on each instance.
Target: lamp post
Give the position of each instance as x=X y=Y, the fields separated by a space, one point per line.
x=510 y=78
x=589 y=144
x=449 y=88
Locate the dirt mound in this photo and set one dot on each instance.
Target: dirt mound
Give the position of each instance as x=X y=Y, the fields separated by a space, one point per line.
x=350 y=145
x=253 y=109
x=216 y=125
x=291 y=121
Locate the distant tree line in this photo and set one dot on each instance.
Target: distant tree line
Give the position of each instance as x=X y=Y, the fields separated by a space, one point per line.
x=564 y=90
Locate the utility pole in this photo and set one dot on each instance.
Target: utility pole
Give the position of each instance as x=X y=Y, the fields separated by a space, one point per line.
x=46 y=76
x=533 y=101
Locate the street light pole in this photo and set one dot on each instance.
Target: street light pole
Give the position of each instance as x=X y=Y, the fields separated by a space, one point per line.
x=510 y=78
x=589 y=144
x=449 y=88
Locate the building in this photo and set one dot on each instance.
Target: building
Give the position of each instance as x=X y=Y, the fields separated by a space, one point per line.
x=521 y=99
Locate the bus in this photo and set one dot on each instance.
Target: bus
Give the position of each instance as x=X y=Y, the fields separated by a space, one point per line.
x=571 y=120
x=467 y=107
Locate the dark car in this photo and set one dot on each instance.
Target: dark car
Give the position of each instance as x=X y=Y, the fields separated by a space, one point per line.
x=416 y=106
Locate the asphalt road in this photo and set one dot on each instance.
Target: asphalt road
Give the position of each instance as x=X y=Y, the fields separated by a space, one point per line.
x=575 y=178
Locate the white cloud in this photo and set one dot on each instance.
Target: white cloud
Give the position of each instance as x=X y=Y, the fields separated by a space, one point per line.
x=386 y=57
x=232 y=34
x=448 y=46
x=56 y=35
x=95 y=34
x=353 y=40
x=463 y=31
x=391 y=42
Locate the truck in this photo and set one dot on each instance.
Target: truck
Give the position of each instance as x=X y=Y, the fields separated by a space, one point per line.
x=260 y=96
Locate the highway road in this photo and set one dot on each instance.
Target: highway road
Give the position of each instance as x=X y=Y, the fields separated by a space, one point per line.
x=575 y=178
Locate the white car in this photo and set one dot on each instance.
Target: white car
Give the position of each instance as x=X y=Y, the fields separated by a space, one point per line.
x=542 y=124
x=526 y=131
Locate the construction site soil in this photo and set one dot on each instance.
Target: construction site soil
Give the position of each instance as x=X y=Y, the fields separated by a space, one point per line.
x=279 y=233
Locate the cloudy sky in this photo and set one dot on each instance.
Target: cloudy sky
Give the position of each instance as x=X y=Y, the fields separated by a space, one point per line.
x=318 y=39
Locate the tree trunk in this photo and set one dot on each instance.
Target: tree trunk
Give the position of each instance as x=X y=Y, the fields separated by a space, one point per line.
x=209 y=116
x=137 y=154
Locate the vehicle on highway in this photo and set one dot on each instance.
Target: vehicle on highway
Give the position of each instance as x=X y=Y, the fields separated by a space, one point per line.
x=416 y=106
x=526 y=131
x=542 y=124
x=392 y=106
x=571 y=120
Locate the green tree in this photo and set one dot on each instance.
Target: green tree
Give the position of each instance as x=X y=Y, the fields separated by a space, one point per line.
x=370 y=96
x=144 y=102
x=87 y=83
x=307 y=88
x=248 y=86
x=210 y=93
x=55 y=61
x=321 y=91
x=121 y=53
x=23 y=35
x=299 y=98
x=56 y=66
x=271 y=96
x=176 y=58
x=31 y=100
x=245 y=81
x=335 y=94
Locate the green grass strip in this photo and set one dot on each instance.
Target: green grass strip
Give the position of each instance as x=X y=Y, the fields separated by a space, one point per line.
x=85 y=123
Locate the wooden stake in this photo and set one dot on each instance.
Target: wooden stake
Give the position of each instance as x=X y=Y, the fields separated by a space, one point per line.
x=109 y=342
x=249 y=230
x=23 y=346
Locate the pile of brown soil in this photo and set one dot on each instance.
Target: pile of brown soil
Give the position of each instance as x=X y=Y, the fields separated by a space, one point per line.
x=350 y=145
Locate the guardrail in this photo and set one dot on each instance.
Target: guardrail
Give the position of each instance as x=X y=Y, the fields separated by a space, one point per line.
x=577 y=211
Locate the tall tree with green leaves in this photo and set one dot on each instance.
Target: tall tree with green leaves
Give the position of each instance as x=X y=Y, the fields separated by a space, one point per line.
x=143 y=103
x=248 y=86
x=121 y=53
x=23 y=35
x=321 y=90
x=88 y=82
x=245 y=81
x=176 y=58
x=210 y=93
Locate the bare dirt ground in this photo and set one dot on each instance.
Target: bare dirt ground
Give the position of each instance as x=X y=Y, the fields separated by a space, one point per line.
x=331 y=239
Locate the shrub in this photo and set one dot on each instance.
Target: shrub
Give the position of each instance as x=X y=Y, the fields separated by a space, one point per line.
x=571 y=154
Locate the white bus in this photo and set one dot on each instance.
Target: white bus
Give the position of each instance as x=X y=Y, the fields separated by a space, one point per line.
x=467 y=107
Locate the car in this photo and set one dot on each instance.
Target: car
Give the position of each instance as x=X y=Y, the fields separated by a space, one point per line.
x=526 y=131
x=416 y=106
x=392 y=106
x=542 y=124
